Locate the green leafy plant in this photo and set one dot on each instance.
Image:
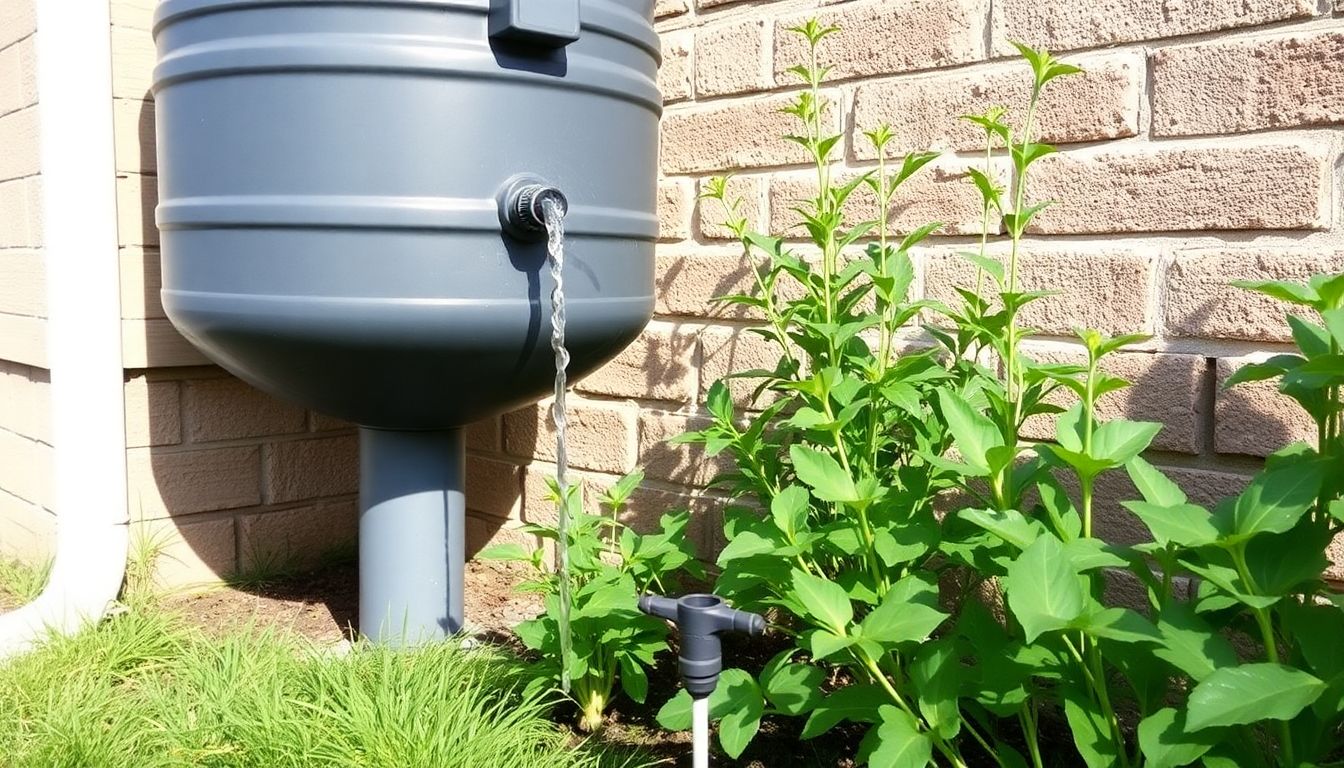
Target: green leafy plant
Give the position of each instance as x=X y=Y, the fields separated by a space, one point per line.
x=610 y=566
x=835 y=525
x=843 y=448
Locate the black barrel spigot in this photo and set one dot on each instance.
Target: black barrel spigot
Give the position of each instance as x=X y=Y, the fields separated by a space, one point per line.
x=700 y=619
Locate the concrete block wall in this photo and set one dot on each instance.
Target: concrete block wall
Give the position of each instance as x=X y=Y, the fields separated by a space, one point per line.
x=26 y=521
x=1202 y=146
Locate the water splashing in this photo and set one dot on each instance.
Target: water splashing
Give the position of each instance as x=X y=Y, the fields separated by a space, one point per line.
x=554 y=213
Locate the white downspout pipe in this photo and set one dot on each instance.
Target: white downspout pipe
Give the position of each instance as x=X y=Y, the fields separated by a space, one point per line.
x=79 y=205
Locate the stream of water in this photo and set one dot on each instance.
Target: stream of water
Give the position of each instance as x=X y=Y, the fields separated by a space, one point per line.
x=555 y=247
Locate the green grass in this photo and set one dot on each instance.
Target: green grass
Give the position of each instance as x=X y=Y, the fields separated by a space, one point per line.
x=21 y=582
x=144 y=689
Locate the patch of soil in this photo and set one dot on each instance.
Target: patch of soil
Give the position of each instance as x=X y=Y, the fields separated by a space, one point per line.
x=323 y=605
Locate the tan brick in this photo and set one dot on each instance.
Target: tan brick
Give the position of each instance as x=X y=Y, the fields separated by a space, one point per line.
x=729 y=350
x=601 y=436
x=228 y=409
x=23 y=283
x=1102 y=103
x=141 y=282
x=1102 y=289
x=735 y=134
x=1254 y=418
x=674 y=76
x=682 y=464
x=1270 y=185
x=21 y=213
x=137 y=196
x=166 y=483
x=1166 y=388
x=18 y=135
x=18 y=76
x=133 y=57
x=676 y=201
x=494 y=487
x=1065 y=26
x=1200 y=300
x=133 y=129
x=687 y=284
x=747 y=193
x=731 y=58
x=940 y=192
x=485 y=532
x=153 y=413
x=665 y=8
x=658 y=365
x=883 y=37
x=1246 y=85
x=297 y=536
x=193 y=554
x=705 y=528
x=25 y=401
x=18 y=19
x=136 y=14
x=538 y=507
x=299 y=470
x=155 y=343
x=483 y=435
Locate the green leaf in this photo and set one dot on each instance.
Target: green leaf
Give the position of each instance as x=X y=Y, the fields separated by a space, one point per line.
x=822 y=474
x=789 y=510
x=719 y=401
x=1007 y=524
x=937 y=675
x=1043 y=590
x=899 y=621
x=1092 y=735
x=974 y=434
x=895 y=742
x=855 y=703
x=1167 y=744
x=1284 y=291
x=1119 y=624
x=1185 y=525
x=1156 y=487
x=1276 y=499
x=634 y=680
x=1119 y=441
x=793 y=689
x=507 y=552
x=739 y=725
x=1251 y=693
x=1311 y=338
x=823 y=601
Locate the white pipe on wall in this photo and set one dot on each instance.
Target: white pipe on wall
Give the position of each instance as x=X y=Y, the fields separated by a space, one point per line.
x=79 y=208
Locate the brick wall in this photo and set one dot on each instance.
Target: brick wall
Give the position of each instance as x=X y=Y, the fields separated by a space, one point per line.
x=1202 y=146
x=26 y=522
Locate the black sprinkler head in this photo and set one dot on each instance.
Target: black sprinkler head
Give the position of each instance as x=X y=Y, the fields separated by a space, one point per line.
x=701 y=619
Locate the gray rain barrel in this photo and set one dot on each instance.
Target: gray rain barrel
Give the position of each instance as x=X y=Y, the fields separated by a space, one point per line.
x=332 y=175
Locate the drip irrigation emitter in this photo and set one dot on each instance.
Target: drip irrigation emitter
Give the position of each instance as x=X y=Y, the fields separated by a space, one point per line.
x=700 y=620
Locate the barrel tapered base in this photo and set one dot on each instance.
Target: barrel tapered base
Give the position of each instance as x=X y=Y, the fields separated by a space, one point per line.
x=412 y=532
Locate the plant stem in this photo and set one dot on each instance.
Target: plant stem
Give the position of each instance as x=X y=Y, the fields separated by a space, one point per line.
x=1264 y=621
x=938 y=742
